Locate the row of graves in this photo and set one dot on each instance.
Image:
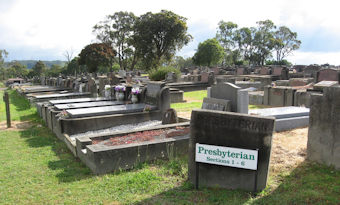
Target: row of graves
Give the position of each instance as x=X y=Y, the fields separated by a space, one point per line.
x=228 y=145
x=127 y=126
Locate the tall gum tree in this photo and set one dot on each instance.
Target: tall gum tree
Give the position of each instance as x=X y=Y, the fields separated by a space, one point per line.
x=158 y=36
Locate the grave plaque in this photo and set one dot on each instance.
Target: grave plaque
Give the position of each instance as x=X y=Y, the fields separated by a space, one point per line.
x=216 y=104
x=231 y=130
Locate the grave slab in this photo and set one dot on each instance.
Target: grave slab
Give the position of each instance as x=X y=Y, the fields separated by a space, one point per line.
x=86 y=105
x=78 y=100
x=107 y=110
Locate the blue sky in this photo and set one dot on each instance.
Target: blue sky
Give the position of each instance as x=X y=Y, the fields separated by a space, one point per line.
x=45 y=29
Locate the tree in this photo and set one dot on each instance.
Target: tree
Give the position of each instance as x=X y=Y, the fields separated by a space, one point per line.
x=39 y=68
x=68 y=55
x=226 y=35
x=16 y=69
x=210 y=52
x=285 y=42
x=117 y=30
x=263 y=41
x=3 y=55
x=245 y=42
x=159 y=36
x=180 y=62
x=95 y=55
x=54 y=71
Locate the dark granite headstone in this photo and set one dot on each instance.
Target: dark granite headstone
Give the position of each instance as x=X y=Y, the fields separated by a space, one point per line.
x=230 y=130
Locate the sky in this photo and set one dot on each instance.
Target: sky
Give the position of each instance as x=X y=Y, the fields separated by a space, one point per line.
x=46 y=29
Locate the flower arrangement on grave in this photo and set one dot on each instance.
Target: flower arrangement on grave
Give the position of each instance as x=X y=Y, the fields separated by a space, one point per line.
x=120 y=92
x=120 y=88
x=135 y=92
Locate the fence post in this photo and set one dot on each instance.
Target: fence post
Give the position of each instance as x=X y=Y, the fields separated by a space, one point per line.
x=8 y=114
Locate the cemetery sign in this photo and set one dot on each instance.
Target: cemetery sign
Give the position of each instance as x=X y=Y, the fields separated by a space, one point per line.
x=227 y=156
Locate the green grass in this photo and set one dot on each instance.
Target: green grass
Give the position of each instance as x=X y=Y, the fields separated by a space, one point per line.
x=197 y=97
x=195 y=100
x=20 y=108
x=37 y=168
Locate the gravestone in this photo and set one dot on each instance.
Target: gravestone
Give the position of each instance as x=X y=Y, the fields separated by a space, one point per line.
x=171 y=77
x=122 y=73
x=328 y=74
x=323 y=144
x=216 y=104
x=211 y=78
x=240 y=71
x=204 y=77
x=227 y=91
x=128 y=79
x=277 y=71
x=264 y=71
x=158 y=94
x=233 y=130
x=92 y=86
x=169 y=117
x=216 y=70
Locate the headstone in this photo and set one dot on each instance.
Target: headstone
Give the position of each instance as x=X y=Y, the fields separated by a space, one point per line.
x=93 y=87
x=231 y=130
x=277 y=71
x=228 y=91
x=129 y=79
x=122 y=73
x=264 y=71
x=204 y=77
x=170 y=117
x=240 y=71
x=328 y=75
x=216 y=104
x=323 y=134
x=211 y=78
x=216 y=70
x=171 y=77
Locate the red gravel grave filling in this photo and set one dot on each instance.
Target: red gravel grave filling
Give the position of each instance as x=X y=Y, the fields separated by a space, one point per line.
x=148 y=135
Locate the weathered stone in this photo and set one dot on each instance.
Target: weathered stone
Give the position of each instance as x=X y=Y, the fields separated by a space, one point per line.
x=216 y=104
x=324 y=131
x=328 y=74
x=169 y=117
x=230 y=130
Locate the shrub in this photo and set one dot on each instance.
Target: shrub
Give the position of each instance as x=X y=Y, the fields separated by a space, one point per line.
x=160 y=73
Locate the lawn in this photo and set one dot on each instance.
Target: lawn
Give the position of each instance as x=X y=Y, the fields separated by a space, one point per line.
x=37 y=168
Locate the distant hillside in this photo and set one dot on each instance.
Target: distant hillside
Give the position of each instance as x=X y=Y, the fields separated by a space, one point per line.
x=30 y=63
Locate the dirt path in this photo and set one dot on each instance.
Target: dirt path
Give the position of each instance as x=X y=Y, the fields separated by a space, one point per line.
x=16 y=125
x=289 y=149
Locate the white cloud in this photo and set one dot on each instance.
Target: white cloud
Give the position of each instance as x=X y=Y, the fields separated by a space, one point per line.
x=300 y=58
x=63 y=24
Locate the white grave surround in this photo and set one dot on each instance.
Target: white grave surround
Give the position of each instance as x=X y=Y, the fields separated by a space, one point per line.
x=226 y=156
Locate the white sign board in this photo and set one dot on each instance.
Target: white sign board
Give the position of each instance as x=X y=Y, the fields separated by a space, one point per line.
x=226 y=156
